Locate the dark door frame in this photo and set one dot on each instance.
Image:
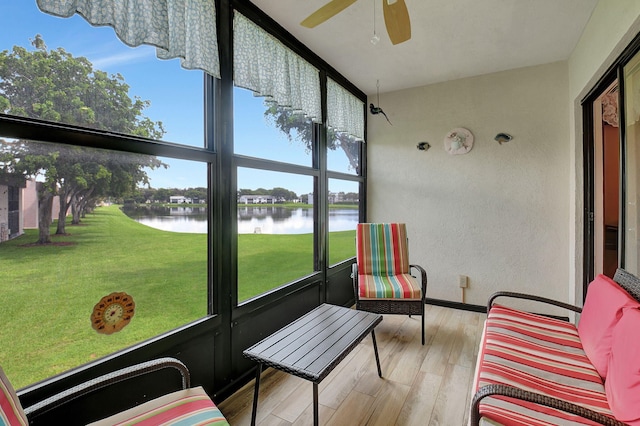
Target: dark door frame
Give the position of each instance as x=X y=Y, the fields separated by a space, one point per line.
x=615 y=72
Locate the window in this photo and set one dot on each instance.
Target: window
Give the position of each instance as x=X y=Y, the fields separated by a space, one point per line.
x=343 y=154
x=107 y=238
x=97 y=249
x=114 y=138
x=273 y=124
x=345 y=119
x=262 y=129
x=77 y=74
x=344 y=214
x=344 y=147
x=275 y=230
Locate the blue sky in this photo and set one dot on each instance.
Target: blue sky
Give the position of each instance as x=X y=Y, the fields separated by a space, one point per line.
x=176 y=97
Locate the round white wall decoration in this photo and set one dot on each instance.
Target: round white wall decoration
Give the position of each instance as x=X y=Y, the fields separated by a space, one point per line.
x=458 y=141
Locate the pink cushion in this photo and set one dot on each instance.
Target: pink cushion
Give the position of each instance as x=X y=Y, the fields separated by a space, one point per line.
x=601 y=312
x=10 y=409
x=623 y=378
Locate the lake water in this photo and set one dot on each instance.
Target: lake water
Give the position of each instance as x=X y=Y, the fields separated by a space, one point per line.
x=251 y=220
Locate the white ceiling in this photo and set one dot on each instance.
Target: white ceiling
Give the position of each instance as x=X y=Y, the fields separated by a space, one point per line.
x=451 y=39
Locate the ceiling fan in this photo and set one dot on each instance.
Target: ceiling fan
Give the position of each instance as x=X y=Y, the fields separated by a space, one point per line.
x=396 y=17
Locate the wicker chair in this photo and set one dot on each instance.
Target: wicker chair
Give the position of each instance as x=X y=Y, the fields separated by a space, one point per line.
x=382 y=280
x=190 y=404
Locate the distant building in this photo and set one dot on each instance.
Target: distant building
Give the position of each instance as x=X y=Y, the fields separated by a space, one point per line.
x=256 y=199
x=19 y=206
x=179 y=199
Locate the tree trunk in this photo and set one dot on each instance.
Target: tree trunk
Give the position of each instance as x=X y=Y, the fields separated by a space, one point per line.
x=62 y=214
x=45 y=206
x=79 y=205
x=66 y=197
x=75 y=210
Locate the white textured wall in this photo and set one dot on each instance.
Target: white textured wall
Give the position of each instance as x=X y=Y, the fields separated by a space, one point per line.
x=507 y=216
x=498 y=214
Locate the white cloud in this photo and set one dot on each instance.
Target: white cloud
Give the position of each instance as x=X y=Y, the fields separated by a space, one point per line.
x=139 y=54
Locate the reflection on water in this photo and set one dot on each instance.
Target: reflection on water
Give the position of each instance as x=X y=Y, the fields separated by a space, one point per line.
x=174 y=219
x=262 y=220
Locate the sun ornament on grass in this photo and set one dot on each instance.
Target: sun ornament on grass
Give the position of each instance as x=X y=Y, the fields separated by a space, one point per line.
x=112 y=313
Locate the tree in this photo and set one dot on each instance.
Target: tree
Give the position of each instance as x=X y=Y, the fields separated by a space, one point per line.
x=283 y=194
x=54 y=85
x=196 y=193
x=163 y=194
x=351 y=196
x=297 y=127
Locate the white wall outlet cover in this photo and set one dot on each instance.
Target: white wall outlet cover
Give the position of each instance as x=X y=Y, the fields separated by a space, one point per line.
x=458 y=141
x=463 y=281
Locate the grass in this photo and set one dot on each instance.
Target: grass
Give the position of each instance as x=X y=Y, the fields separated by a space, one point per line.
x=49 y=291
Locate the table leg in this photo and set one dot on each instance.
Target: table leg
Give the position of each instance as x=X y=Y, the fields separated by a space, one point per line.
x=315 y=405
x=375 y=350
x=255 y=395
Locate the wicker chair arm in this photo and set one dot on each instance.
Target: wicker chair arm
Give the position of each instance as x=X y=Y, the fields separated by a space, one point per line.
x=423 y=278
x=354 y=277
x=513 y=392
x=106 y=380
x=494 y=296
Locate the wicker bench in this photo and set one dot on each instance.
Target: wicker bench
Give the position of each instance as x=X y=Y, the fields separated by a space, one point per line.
x=188 y=405
x=535 y=370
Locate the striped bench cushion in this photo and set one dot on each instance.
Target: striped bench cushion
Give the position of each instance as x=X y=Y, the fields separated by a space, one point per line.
x=402 y=286
x=537 y=354
x=184 y=407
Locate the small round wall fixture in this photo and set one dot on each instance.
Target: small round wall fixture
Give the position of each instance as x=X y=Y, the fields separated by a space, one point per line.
x=112 y=313
x=458 y=141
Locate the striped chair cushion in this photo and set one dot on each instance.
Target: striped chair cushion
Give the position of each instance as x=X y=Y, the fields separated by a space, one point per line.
x=10 y=409
x=184 y=407
x=541 y=355
x=382 y=248
x=402 y=286
x=383 y=262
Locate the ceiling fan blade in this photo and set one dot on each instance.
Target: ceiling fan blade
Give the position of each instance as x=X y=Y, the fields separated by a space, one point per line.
x=396 y=19
x=325 y=12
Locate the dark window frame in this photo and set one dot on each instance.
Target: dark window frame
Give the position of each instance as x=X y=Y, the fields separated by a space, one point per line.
x=224 y=375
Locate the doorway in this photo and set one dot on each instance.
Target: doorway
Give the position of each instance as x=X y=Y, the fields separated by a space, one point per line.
x=611 y=155
x=606 y=181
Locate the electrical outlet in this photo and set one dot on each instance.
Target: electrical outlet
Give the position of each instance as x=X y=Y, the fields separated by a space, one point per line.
x=463 y=280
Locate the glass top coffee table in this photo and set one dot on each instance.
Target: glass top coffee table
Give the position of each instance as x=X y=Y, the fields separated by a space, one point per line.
x=313 y=345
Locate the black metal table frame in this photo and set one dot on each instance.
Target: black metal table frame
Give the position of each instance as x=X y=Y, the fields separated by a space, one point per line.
x=316 y=381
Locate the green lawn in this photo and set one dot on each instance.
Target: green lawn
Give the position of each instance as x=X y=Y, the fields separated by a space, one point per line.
x=49 y=291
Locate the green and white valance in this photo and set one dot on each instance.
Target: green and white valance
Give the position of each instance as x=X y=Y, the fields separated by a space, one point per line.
x=183 y=29
x=267 y=67
x=345 y=112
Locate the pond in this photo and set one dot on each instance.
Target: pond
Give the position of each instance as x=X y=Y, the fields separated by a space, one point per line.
x=251 y=220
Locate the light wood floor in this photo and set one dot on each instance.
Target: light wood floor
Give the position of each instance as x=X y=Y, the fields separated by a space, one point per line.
x=421 y=385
